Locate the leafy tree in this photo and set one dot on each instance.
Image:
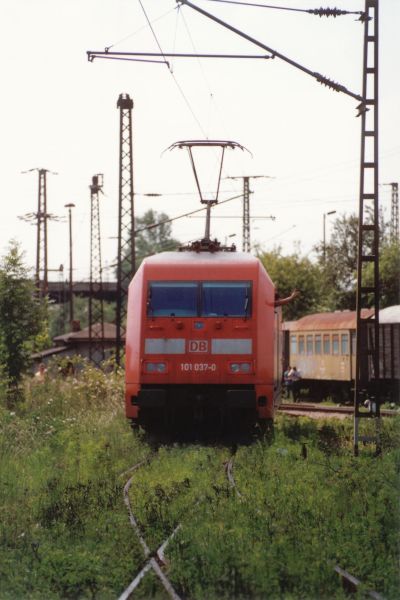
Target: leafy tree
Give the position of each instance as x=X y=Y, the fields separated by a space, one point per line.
x=338 y=261
x=152 y=240
x=21 y=316
x=295 y=271
x=389 y=274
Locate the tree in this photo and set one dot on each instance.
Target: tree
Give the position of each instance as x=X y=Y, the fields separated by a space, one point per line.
x=389 y=274
x=294 y=271
x=21 y=315
x=151 y=240
x=338 y=260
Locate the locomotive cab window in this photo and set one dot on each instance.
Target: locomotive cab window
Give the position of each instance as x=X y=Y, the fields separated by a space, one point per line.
x=172 y=299
x=226 y=299
x=199 y=299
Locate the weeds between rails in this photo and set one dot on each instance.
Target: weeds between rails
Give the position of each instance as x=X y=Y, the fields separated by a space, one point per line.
x=153 y=560
x=156 y=560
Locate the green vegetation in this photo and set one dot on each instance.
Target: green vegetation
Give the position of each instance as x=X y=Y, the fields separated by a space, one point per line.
x=295 y=272
x=306 y=504
x=329 y=283
x=151 y=240
x=21 y=318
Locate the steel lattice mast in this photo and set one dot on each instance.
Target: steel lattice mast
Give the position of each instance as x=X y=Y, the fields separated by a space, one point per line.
x=126 y=221
x=96 y=311
x=41 y=241
x=367 y=335
x=246 y=232
x=394 y=220
x=41 y=217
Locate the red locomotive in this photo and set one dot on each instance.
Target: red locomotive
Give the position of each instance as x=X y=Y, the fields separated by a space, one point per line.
x=203 y=335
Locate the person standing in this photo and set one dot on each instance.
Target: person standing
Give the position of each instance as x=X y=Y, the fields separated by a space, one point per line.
x=294 y=377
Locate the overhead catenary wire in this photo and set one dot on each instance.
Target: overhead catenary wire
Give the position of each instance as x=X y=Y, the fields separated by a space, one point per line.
x=127 y=37
x=172 y=74
x=153 y=225
x=337 y=87
x=320 y=12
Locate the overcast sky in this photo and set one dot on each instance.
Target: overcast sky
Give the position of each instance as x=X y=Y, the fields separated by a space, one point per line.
x=59 y=112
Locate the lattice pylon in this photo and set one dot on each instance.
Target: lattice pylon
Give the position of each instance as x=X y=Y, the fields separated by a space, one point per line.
x=96 y=309
x=126 y=221
x=246 y=214
x=366 y=388
x=394 y=214
x=41 y=242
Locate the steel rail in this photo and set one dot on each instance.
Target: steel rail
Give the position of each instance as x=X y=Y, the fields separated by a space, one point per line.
x=289 y=407
x=152 y=562
x=229 y=473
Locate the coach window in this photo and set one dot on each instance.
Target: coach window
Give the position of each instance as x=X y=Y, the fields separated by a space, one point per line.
x=301 y=344
x=318 y=344
x=335 y=344
x=309 y=344
x=353 y=342
x=293 y=344
x=327 y=344
x=226 y=299
x=344 y=343
x=172 y=299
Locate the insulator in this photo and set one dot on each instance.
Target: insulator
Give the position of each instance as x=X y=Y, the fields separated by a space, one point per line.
x=328 y=12
x=329 y=83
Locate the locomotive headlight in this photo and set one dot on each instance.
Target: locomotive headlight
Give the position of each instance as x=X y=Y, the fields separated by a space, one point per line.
x=155 y=367
x=243 y=367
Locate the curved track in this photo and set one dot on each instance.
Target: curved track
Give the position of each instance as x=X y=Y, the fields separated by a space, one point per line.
x=156 y=560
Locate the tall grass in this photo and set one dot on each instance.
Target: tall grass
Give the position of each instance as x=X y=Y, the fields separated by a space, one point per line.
x=306 y=504
x=64 y=530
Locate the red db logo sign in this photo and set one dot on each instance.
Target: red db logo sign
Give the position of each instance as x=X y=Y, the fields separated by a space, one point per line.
x=198 y=346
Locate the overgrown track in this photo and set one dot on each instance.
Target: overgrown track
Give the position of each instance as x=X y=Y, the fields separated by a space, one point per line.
x=156 y=560
x=153 y=560
x=229 y=473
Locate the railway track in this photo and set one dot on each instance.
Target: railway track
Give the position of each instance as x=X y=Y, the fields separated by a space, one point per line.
x=155 y=561
x=307 y=408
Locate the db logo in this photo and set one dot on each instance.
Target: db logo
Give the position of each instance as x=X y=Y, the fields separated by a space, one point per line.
x=198 y=346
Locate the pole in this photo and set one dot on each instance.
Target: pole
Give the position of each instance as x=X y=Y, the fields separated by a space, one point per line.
x=126 y=222
x=331 y=212
x=71 y=296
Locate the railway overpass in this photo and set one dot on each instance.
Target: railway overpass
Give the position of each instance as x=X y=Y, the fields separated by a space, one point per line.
x=58 y=291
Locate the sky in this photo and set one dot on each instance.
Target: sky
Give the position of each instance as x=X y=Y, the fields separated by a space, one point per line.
x=59 y=112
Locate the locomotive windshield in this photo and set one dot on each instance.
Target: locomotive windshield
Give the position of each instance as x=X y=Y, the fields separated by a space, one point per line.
x=199 y=299
x=172 y=298
x=226 y=298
